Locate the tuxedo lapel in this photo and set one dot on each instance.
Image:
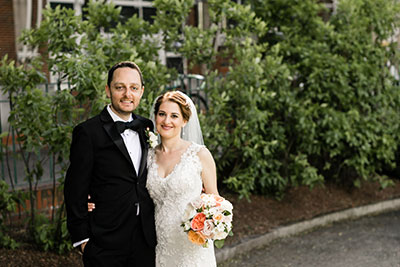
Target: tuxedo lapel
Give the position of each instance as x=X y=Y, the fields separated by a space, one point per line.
x=144 y=145
x=111 y=129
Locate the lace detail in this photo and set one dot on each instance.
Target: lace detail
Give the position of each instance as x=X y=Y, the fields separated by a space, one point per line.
x=171 y=195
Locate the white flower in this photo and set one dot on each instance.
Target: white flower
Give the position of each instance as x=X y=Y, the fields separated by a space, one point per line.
x=219 y=234
x=226 y=205
x=227 y=219
x=211 y=211
x=208 y=200
x=153 y=139
x=189 y=213
x=186 y=226
x=221 y=227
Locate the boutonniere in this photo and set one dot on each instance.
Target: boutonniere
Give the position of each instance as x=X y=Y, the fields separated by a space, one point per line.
x=152 y=138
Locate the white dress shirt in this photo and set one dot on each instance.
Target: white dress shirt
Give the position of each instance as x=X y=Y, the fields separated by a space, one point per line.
x=131 y=140
x=132 y=144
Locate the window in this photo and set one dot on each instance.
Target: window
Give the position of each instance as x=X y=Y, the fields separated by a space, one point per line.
x=142 y=8
x=148 y=13
x=240 y=2
x=176 y=63
x=62 y=5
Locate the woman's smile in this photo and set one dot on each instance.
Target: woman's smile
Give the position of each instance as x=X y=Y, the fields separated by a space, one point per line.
x=165 y=127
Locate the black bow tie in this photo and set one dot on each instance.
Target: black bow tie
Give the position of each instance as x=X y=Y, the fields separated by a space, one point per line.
x=133 y=125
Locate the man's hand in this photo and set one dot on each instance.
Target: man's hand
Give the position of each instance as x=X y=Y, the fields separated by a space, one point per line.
x=91 y=206
x=83 y=245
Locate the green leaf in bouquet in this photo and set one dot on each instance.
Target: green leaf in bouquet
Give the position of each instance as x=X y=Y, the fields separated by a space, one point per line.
x=219 y=243
x=226 y=213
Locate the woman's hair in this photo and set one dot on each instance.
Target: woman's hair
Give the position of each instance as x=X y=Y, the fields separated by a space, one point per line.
x=175 y=97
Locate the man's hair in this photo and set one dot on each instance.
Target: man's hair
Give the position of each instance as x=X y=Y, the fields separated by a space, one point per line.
x=123 y=64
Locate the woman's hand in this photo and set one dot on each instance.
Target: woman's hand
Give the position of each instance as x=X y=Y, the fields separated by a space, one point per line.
x=90 y=205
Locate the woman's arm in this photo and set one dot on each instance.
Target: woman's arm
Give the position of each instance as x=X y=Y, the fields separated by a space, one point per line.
x=209 y=172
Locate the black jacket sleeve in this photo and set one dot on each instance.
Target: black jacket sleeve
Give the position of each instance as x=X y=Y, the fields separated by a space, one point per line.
x=77 y=183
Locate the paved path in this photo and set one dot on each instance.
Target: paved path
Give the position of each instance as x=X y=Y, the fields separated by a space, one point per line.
x=372 y=241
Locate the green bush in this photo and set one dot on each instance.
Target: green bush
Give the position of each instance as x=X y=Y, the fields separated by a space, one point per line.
x=7 y=205
x=51 y=236
x=335 y=106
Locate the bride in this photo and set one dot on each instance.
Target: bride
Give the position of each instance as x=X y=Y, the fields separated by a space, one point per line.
x=179 y=168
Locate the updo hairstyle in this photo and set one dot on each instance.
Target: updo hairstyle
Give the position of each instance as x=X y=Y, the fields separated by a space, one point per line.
x=175 y=97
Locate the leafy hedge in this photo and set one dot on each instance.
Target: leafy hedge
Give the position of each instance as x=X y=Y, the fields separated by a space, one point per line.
x=320 y=105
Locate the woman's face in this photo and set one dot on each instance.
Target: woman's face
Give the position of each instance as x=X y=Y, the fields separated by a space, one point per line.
x=169 y=120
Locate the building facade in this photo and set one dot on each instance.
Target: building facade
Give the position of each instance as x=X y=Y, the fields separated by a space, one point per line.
x=18 y=15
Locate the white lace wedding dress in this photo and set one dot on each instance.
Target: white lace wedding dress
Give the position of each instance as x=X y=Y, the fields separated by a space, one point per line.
x=171 y=195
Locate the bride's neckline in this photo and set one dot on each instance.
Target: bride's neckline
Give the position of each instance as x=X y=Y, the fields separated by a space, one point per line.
x=176 y=165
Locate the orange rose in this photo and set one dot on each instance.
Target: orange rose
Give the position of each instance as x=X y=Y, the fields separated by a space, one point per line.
x=196 y=238
x=197 y=223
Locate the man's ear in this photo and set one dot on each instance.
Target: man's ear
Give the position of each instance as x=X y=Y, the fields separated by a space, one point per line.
x=142 y=91
x=108 y=91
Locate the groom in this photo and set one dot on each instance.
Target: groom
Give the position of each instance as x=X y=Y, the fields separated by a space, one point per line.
x=108 y=162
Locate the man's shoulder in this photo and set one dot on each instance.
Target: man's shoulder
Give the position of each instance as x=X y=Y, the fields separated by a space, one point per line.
x=146 y=122
x=90 y=123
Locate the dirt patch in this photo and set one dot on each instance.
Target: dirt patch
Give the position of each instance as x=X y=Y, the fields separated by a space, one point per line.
x=254 y=218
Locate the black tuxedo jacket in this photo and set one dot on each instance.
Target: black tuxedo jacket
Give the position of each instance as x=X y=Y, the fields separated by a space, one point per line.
x=100 y=166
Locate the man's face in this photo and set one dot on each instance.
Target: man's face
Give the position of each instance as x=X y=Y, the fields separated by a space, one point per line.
x=125 y=91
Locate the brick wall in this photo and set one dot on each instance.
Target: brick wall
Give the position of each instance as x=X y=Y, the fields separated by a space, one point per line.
x=43 y=204
x=7 y=39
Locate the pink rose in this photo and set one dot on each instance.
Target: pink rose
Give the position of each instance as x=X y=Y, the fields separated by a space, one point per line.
x=197 y=203
x=208 y=227
x=218 y=200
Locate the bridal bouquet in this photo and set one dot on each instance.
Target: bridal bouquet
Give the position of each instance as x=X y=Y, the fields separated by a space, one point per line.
x=208 y=218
